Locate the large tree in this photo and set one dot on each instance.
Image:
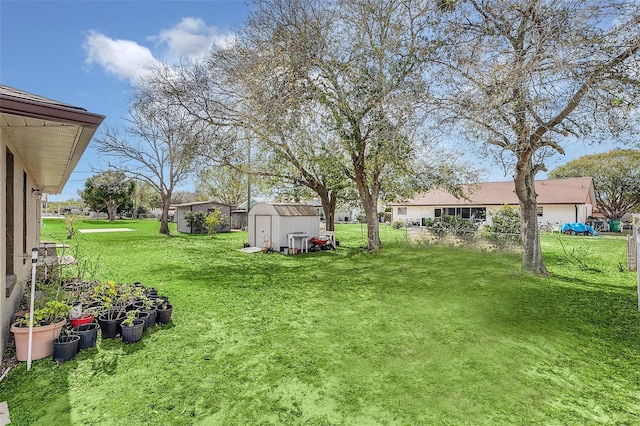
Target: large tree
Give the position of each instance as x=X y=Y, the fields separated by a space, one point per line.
x=331 y=89
x=616 y=178
x=108 y=191
x=356 y=67
x=222 y=183
x=161 y=144
x=265 y=127
x=527 y=76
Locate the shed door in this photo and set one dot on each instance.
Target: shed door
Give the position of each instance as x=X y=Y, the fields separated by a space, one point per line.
x=263 y=231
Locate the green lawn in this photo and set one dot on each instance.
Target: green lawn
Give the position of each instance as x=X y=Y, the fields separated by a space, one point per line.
x=411 y=335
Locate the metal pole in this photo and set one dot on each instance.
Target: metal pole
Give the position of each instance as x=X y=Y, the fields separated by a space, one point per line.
x=34 y=261
x=635 y=220
x=248 y=178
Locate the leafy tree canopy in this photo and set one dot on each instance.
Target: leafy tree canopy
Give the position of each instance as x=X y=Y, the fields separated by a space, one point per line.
x=616 y=178
x=108 y=191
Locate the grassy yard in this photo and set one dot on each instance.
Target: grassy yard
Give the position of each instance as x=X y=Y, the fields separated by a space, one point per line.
x=411 y=335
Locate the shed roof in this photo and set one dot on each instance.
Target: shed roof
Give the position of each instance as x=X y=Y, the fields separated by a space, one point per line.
x=295 y=210
x=199 y=203
x=284 y=209
x=550 y=191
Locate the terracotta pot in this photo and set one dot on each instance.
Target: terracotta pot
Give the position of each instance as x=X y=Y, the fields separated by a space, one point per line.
x=43 y=337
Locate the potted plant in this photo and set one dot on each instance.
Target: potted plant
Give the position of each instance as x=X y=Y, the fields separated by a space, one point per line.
x=88 y=334
x=132 y=327
x=47 y=324
x=78 y=316
x=147 y=306
x=164 y=312
x=115 y=300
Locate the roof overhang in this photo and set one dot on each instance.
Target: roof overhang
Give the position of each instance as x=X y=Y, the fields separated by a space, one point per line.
x=49 y=137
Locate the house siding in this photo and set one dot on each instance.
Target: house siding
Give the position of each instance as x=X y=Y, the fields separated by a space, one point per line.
x=23 y=239
x=551 y=213
x=562 y=201
x=182 y=210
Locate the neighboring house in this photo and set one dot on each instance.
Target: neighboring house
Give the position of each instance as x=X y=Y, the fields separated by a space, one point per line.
x=340 y=215
x=41 y=141
x=559 y=201
x=204 y=206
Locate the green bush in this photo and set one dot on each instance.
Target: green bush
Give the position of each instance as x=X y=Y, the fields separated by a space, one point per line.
x=397 y=224
x=195 y=221
x=215 y=219
x=506 y=225
x=452 y=225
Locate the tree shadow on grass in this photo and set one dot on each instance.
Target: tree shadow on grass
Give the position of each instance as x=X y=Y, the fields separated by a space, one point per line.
x=573 y=306
x=49 y=383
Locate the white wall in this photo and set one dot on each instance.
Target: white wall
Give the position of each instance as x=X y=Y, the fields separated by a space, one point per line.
x=413 y=213
x=562 y=213
x=276 y=228
x=558 y=214
x=309 y=225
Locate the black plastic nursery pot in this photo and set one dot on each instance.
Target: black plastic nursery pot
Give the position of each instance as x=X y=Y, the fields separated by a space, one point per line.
x=110 y=327
x=164 y=315
x=65 y=347
x=151 y=319
x=133 y=333
x=144 y=316
x=88 y=334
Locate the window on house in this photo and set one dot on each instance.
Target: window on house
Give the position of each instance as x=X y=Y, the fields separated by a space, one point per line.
x=438 y=213
x=24 y=215
x=402 y=211
x=478 y=213
x=10 y=221
x=539 y=211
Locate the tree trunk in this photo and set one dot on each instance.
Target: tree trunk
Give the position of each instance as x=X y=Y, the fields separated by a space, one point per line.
x=373 y=225
x=164 y=216
x=329 y=207
x=370 y=205
x=526 y=191
x=111 y=211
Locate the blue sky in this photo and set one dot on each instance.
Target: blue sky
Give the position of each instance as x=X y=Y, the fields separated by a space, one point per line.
x=88 y=53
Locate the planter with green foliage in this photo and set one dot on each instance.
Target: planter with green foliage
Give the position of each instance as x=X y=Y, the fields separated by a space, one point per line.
x=47 y=324
x=115 y=301
x=164 y=312
x=132 y=328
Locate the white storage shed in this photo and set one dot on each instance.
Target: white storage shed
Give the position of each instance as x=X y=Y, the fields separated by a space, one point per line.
x=273 y=225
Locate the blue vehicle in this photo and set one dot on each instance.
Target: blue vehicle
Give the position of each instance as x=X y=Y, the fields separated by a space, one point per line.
x=578 y=228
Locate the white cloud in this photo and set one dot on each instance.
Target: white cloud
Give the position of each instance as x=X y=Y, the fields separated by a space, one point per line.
x=124 y=58
x=192 y=38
